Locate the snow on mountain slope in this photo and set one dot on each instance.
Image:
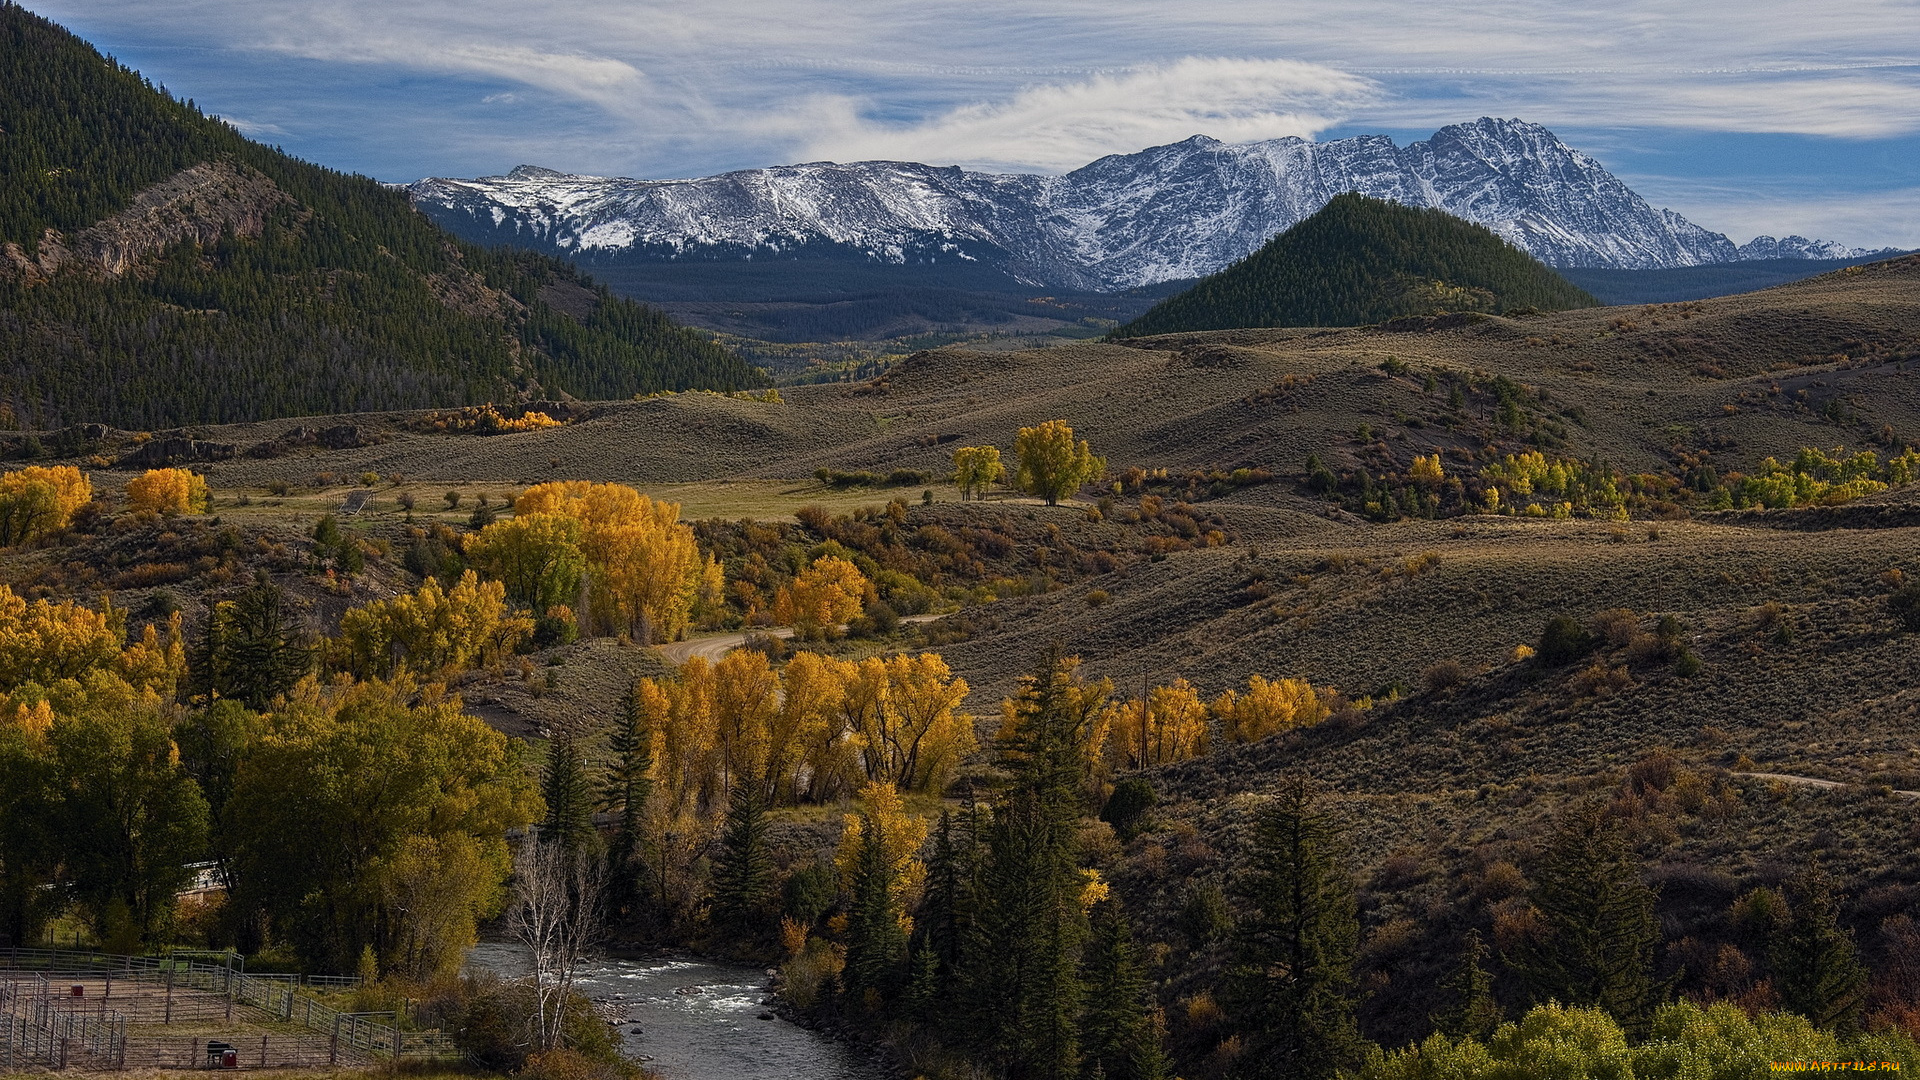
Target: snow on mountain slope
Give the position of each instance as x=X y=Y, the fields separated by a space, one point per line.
x=1165 y=213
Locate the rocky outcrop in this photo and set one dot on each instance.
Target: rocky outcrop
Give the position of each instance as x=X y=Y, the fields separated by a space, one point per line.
x=159 y=453
x=201 y=204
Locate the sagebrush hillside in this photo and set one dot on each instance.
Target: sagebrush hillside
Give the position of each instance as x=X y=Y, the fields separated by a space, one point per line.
x=158 y=269
x=1361 y=260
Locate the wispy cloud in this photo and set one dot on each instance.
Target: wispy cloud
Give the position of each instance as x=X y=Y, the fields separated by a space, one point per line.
x=1061 y=126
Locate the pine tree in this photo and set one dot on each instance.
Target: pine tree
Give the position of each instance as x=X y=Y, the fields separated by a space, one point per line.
x=563 y=783
x=1818 y=968
x=743 y=876
x=1474 y=1012
x=876 y=942
x=1600 y=931
x=1120 y=1032
x=629 y=784
x=1290 y=983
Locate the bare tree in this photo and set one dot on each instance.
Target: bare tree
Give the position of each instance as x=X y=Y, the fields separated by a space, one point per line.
x=557 y=913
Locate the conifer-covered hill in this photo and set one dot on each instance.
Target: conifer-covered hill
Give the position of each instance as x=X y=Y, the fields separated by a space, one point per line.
x=158 y=269
x=1362 y=260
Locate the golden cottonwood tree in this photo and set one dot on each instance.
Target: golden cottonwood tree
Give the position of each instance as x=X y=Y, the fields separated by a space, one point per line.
x=903 y=711
x=536 y=556
x=430 y=632
x=976 y=469
x=825 y=594
x=38 y=500
x=1052 y=464
x=1268 y=706
x=1173 y=727
x=168 y=492
x=643 y=566
x=44 y=642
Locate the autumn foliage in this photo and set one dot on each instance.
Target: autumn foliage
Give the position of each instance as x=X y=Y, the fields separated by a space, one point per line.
x=817 y=730
x=1052 y=464
x=644 y=571
x=168 y=492
x=430 y=632
x=38 y=500
x=825 y=594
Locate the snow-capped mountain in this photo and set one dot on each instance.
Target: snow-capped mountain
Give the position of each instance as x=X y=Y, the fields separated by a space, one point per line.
x=1166 y=213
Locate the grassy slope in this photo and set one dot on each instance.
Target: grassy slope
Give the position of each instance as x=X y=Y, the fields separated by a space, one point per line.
x=1359 y=260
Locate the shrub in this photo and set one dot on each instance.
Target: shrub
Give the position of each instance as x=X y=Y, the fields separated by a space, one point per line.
x=1598 y=679
x=1127 y=807
x=1205 y=917
x=453 y=500
x=1905 y=603
x=1444 y=676
x=1616 y=626
x=1563 y=641
x=1097 y=597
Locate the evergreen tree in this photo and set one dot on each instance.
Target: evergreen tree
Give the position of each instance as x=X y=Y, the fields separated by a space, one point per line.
x=1290 y=983
x=254 y=648
x=1362 y=260
x=949 y=909
x=1474 y=1012
x=629 y=785
x=1023 y=978
x=1120 y=1031
x=1600 y=932
x=876 y=942
x=743 y=875
x=563 y=783
x=1818 y=969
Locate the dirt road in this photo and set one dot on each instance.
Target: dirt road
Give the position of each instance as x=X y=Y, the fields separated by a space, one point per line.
x=1811 y=781
x=713 y=648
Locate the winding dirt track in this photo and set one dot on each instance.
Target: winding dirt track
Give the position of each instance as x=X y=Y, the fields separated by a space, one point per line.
x=1811 y=781
x=713 y=648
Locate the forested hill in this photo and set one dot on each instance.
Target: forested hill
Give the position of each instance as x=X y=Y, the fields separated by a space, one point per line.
x=159 y=269
x=1362 y=260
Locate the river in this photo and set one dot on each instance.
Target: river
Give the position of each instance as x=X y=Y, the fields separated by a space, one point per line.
x=700 y=1020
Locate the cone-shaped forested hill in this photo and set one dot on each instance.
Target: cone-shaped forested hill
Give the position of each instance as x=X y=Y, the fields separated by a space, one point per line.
x=1359 y=261
x=158 y=269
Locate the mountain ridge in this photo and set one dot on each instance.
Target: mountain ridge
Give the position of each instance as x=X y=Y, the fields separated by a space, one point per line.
x=1179 y=211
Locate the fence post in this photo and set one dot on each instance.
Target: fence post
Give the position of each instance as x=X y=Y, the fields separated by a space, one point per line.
x=169 y=1014
x=263 y=1051
x=333 y=1044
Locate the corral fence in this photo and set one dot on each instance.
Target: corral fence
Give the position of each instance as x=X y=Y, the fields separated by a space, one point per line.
x=64 y=1009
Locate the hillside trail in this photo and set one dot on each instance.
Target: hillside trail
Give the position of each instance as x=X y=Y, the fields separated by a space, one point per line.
x=711 y=649
x=1812 y=782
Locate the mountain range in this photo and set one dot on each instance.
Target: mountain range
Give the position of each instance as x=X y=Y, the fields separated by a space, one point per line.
x=1167 y=213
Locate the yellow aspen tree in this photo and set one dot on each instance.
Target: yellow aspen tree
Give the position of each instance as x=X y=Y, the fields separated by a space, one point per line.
x=38 y=500
x=928 y=733
x=1267 y=707
x=1052 y=464
x=432 y=631
x=976 y=469
x=1426 y=471
x=44 y=642
x=746 y=697
x=865 y=715
x=157 y=661
x=806 y=736
x=901 y=835
x=643 y=566
x=1174 y=727
x=825 y=594
x=168 y=492
x=1082 y=701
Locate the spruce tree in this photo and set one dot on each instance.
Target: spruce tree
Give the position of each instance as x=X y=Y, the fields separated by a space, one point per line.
x=743 y=875
x=1817 y=967
x=1120 y=1031
x=629 y=784
x=254 y=648
x=949 y=912
x=1600 y=931
x=876 y=942
x=1472 y=1011
x=1290 y=986
x=1023 y=989
x=563 y=783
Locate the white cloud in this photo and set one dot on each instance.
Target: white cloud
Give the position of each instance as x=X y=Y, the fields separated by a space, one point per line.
x=1871 y=219
x=1060 y=126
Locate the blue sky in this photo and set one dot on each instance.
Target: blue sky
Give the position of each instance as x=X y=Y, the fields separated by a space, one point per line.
x=1762 y=116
